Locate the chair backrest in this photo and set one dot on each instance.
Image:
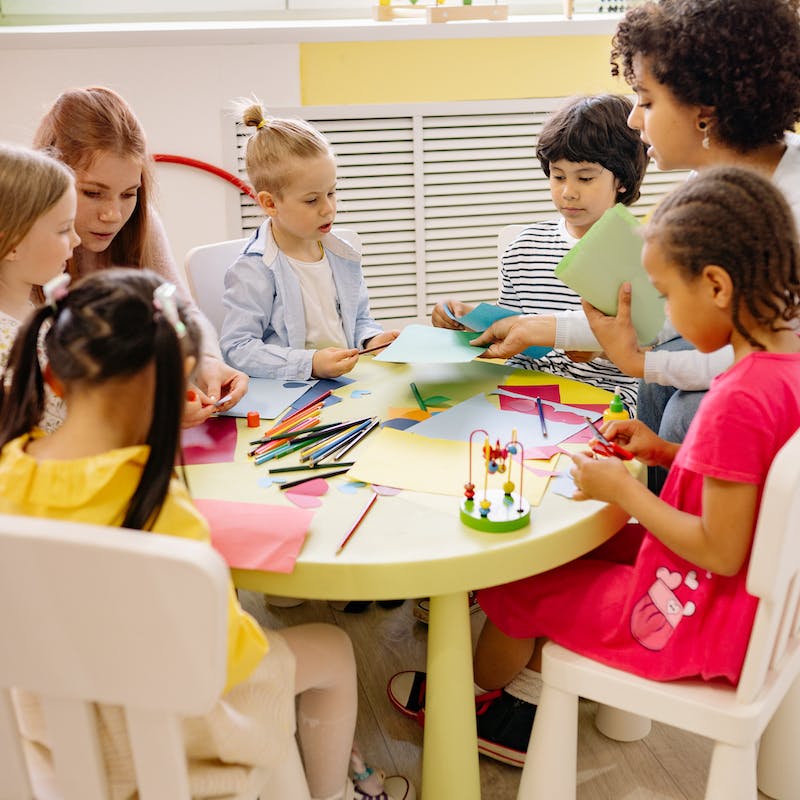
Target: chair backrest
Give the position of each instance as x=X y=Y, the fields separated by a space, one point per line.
x=507 y=235
x=774 y=573
x=94 y=614
x=206 y=265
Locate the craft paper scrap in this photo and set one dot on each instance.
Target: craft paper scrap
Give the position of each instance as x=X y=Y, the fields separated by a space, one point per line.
x=424 y=344
x=437 y=466
x=269 y=397
x=457 y=423
x=256 y=536
x=211 y=442
x=573 y=393
x=484 y=314
x=318 y=388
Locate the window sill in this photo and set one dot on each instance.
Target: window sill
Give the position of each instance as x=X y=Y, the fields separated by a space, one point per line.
x=122 y=34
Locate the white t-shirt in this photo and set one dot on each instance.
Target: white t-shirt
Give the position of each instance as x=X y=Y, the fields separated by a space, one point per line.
x=320 y=304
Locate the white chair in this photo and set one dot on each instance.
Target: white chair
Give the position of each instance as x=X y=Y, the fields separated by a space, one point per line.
x=205 y=270
x=734 y=718
x=90 y=614
x=507 y=235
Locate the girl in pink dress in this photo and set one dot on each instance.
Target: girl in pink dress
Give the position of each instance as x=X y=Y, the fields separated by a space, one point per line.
x=666 y=599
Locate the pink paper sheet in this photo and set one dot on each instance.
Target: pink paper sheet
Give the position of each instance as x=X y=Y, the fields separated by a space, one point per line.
x=254 y=535
x=212 y=442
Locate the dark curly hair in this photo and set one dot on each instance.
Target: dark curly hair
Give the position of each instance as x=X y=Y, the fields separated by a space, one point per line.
x=594 y=128
x=738 y=220
x=740 y=56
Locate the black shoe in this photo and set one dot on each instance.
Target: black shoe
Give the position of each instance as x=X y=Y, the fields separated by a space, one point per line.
x=504 y=727
x=350 y=606
x=390 y=603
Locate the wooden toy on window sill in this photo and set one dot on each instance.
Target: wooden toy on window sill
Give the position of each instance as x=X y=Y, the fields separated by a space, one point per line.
x=496 y=510
x=438 y=12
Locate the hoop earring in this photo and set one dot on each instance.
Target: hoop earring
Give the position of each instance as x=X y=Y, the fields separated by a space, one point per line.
x=706 y=140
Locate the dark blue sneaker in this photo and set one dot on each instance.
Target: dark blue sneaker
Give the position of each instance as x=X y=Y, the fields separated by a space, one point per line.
x=504 y=722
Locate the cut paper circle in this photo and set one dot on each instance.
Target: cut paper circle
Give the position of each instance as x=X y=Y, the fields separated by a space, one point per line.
x=303 y=500
x=351 y=487
x=386 y=491
x=265 y=481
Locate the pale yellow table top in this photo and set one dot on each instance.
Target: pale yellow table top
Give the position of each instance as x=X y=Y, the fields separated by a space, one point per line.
x=412 y=544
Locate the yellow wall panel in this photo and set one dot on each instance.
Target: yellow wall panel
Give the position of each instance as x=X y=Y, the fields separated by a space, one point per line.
x=335 y=73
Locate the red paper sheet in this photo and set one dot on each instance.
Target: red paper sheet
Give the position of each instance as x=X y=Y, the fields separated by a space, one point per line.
x=212 y=442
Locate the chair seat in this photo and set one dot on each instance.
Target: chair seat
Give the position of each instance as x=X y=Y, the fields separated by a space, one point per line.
x=708 y=709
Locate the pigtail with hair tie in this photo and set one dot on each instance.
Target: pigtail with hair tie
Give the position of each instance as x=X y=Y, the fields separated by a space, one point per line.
x=164 y=301
x=55 y=290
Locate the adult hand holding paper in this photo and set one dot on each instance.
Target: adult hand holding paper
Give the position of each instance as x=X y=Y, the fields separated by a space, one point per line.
x=609 y=254
x=616 y=335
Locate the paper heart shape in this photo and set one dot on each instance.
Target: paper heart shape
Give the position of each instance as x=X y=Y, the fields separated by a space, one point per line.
x=671 y=579
x=294 y=384
x=303 y=500
x=351 y=487
x=356 y=393
x=689 y=609
x=266 y=481
x=691 y=580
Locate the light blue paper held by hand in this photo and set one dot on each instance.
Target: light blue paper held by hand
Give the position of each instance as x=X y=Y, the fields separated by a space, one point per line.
x=483 y=315
x=424 y=344
x=269 y=397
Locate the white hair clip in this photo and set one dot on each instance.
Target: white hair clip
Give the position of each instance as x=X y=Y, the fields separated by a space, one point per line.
x=164 y=301
x=56 y=289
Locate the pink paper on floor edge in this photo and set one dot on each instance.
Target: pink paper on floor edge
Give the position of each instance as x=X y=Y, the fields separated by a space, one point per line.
x=254 y=535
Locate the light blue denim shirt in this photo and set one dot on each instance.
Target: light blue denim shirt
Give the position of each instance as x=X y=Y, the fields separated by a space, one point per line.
x=264 y=332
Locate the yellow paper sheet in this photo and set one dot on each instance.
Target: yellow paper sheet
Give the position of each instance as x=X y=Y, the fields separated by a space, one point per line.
x=408 y=461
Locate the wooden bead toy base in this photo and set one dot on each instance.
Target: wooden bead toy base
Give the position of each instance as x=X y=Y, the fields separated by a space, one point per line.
x=507 y=512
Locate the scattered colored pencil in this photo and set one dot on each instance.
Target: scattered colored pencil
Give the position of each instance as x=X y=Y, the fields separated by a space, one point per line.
x=359 y=520
x=304 y=467
x=350 y=445
x=330 y=474
x=320 y=399
x=541 y=416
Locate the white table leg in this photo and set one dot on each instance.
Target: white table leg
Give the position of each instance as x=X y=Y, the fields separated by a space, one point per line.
x=450 y=748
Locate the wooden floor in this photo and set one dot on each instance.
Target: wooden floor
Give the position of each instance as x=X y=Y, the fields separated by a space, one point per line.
x=667 y=765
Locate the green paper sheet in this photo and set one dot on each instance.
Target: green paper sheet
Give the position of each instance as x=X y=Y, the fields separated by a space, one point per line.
x=609 y=254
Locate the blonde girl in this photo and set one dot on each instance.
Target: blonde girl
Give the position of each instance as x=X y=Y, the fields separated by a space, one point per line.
x=296 y=301
x=37 y=237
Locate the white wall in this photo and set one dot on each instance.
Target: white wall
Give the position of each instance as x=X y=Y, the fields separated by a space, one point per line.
x=178 y=93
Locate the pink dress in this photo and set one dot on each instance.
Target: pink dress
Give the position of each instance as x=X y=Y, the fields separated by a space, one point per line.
x=648 y=610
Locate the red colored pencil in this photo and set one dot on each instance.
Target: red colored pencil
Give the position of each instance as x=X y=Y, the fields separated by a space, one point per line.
x=358 y=521
x=308 y=405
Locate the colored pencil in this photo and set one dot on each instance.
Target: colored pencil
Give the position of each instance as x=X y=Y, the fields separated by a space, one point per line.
x=278 y=452
x=418 y=397
x=329 y=448
x=371 y=427
x=320 y=399
x=310 y=451
x=541 y=416
x=304 y=467
x=354 y=526
x=330 y=474
x=373 y=349
x=329 y=429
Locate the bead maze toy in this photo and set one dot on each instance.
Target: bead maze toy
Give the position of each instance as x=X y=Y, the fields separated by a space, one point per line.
x=387 y=11
x=495 y=510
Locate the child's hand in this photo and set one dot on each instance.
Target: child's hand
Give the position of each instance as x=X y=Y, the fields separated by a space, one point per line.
x=597 y=478
x=381 y=340
x=635 y=436
x=194 y=410
x=440 y=318
x=331 y=362
x=617 y=335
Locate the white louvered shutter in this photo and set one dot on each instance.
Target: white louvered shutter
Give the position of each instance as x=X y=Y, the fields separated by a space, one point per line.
x=428 y=187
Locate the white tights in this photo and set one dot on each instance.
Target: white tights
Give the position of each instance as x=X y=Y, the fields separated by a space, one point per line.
x=325 y=680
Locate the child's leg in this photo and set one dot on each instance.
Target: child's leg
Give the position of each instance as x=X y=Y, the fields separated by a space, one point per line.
x=325 y=680
x=498 y=657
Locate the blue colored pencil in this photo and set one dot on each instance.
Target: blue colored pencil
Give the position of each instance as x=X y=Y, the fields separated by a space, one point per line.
x=541 y=416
